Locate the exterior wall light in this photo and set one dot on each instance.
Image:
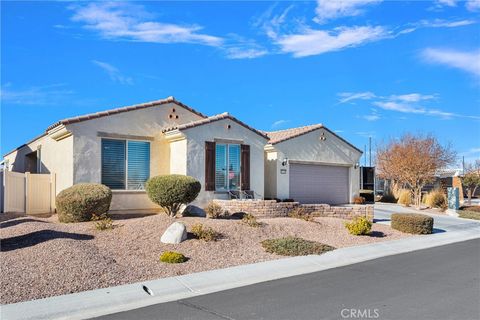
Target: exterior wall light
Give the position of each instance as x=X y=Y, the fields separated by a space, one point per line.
x=285 y=161
x=356 y=165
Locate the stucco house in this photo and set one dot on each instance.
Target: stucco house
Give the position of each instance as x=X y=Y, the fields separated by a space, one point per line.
x=123 y=147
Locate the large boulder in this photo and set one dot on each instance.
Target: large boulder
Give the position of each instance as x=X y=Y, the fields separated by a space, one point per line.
x=175 y=233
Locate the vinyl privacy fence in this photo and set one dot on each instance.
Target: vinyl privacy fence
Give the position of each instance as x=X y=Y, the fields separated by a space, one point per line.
x=27 y=192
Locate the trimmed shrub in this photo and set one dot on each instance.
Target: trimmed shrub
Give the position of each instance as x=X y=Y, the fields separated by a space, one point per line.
x=405 y=197
x=414 y=223
x=292 y=246
x=103 y=222
x=470 y=208
x=359 y=200
x=466 y=214
x=300 y=213
x=359 y=226
x=388 y=198
x=205 y=233
x=368 y=195
x=172 y=191
x=250 y=220
x=214 y=210
x=436 y=199
x=81 y=201
x=172 y=257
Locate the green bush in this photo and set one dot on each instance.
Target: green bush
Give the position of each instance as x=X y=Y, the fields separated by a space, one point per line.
x=103 y=222
x=205 y=233
x=214 y=210
x=436 y=199
x=81 y=201
x=172 y=257
x=359 y=226
x=412 y=223
x=172 y=191
x=300 y=213
x=405 y=197
x=291 y=246
x=250 y=220
x=388 y=198
x=359 y=200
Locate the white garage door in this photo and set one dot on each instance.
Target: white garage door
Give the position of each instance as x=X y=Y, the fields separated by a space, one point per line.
x=318 y=183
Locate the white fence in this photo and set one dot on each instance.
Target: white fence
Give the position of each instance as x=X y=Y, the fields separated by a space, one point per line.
x=28 y=193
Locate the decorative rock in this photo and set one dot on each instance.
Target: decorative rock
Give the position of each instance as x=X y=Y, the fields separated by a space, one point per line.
x=175 y=233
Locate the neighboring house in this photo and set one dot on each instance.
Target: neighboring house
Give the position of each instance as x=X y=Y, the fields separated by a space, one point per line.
x=123 y=147
x=311 y=164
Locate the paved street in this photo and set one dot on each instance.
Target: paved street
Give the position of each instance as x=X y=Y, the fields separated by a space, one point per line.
x=437 y=283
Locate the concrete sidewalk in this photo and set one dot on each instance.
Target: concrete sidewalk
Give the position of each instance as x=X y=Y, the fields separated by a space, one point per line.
x=99 y=302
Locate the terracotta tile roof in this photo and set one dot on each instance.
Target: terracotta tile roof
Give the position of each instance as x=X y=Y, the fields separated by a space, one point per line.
x=282 y=135
x=123 y=109
x=287 y=134
x=211 y=119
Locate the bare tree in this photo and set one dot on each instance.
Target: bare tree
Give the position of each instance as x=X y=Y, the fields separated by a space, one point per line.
x=471 y=179
x=413 y=161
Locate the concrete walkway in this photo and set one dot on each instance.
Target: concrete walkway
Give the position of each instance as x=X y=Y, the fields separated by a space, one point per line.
x=99 y=302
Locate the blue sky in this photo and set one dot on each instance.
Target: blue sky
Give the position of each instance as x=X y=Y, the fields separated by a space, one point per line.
x=362 y=68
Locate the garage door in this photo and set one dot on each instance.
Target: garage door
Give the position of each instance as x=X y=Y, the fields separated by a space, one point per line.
x=319 y=183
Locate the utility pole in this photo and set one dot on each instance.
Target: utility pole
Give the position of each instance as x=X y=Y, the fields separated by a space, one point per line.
x=370 y=149
x=365 y=155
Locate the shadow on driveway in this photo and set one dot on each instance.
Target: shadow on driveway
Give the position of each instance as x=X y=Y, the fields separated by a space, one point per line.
x=34 y=238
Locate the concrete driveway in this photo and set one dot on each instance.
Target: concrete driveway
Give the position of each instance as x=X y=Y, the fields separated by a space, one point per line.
x=442 y=223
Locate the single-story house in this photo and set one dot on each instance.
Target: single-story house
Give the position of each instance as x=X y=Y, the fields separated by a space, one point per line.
x=123 y=147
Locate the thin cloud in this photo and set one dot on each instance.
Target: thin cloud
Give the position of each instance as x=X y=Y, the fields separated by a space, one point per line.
x=125 y=21
x=468 y=61
x=113 y=72
x=371 y=117
x=278 y=123
x=473 y=5
x=53 y=94
x=349 y=96
x=439 y=23
x=315 y=42
x=413 y=97
x=328 y=9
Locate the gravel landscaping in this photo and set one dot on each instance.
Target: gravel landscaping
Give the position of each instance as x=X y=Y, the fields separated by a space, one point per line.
x=41 y=257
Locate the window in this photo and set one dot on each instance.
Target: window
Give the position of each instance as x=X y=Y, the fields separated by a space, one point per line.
x=227 y=167
x=125 y=164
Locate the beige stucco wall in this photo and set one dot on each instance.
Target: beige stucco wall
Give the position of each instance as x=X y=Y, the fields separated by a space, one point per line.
x=147 y=122
x=178 y=157
x=217 y=130
x=56 y=157
x=309 y=147
x=271 y=164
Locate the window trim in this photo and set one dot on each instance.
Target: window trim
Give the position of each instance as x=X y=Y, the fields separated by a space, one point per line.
x=227 y=158
x=126 y=161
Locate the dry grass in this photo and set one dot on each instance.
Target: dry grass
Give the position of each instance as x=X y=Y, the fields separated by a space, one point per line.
x=41 y=257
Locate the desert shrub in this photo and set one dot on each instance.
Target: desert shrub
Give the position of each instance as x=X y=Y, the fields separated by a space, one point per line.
x=79 y=202
x=359 y=200
x=292 y=246
x=250 y=220
x=405 y=197
x=368 y=195
x=436 y=199
x=388 y=198
x=214 y=210
x=172 y=257
x=470 y=208
x=412 y=223
x=359 y=226
x=102 y=222
x=172 y=191
x=300 y=213
x=205 y=233
x=467 y=214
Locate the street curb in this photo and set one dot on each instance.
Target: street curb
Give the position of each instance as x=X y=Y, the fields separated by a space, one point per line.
x=94 y=303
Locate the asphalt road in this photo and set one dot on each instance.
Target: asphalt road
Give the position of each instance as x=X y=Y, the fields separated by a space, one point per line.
x=438 y=283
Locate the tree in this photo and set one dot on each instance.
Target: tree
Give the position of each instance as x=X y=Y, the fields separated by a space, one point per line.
x=413 y=161
x=471 y=179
